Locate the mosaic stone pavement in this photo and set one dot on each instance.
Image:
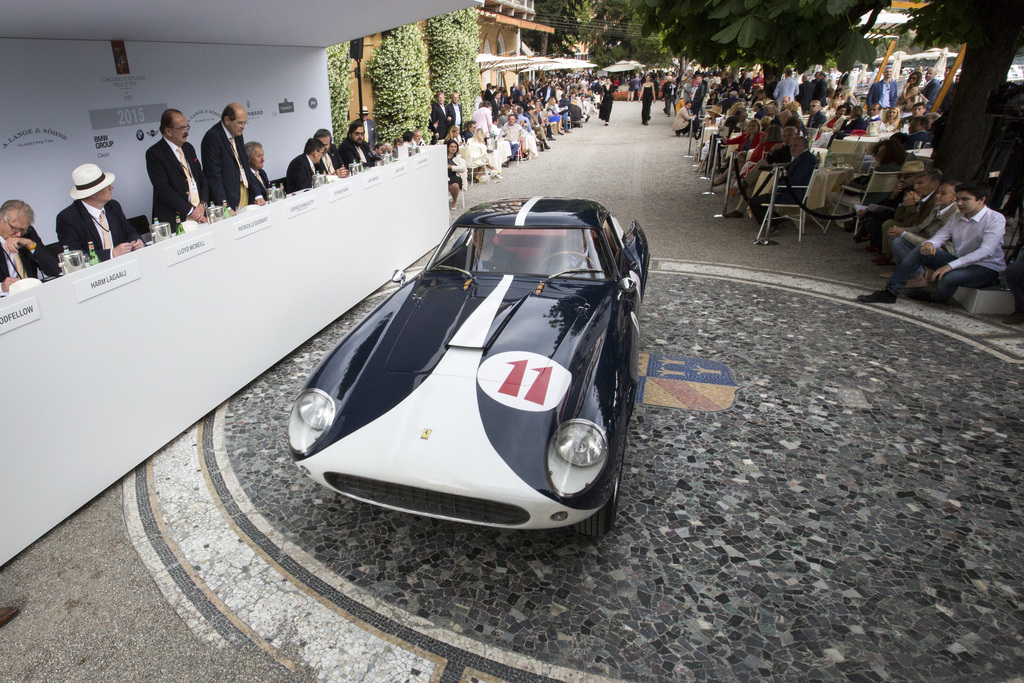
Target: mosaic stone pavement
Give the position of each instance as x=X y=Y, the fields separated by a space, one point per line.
x=854 y=515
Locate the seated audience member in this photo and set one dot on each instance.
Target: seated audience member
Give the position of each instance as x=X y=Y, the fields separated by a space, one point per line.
x=856 y=121
x=885 y=209
x=976 y=233
x=382 y=148
x=302 y=168
x=891 y=121
x=454 y=133
x=25 y=255
x=798 y=172
x=179 y=184
x=332 y=158
x=816 y=117
x=902 y=239
x=889 y=156
x=94 y=216
x=456 y=167
x=254 y=151
x=916 y=209
x=1015 y=282
x=918 y=135
x=355 y=148
x=477 y=157
x=512 y=133
x=417 y=138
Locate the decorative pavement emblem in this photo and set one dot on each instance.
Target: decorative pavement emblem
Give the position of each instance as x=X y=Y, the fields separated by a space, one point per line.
x=678 y=382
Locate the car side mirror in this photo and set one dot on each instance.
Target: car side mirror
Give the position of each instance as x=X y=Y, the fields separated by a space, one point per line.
x=398 y=277
x=627 y=284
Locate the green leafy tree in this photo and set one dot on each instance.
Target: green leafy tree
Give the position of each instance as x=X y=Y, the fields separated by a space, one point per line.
x=992 y=30
x=398 y=74
x=339 y=79
x=615 y=32
x=805 y=32
x=566 y=17
x=453 y=41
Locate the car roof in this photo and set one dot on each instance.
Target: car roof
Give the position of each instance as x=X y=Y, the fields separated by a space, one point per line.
x=536 y=212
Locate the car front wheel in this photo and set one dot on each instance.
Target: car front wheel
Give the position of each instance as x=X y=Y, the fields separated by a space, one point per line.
x=602 y=521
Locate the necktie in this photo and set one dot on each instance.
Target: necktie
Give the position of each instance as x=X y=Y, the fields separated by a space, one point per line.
x=327 y=163
x=18 y=265
x=241 y=170
x=105 y=233
x=193 y=196
x=362 y=156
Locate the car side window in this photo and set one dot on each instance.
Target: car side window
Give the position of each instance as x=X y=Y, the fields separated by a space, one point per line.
x=612 y=236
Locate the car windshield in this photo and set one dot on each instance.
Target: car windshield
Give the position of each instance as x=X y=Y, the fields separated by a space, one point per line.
x=566 y=252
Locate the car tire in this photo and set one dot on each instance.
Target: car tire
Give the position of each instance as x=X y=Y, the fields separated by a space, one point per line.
x=602 y=521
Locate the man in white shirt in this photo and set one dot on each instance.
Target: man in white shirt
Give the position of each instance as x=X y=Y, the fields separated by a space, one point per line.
x=976 y=234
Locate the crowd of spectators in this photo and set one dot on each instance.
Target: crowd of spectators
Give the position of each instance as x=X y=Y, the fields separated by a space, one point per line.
x=935 y=233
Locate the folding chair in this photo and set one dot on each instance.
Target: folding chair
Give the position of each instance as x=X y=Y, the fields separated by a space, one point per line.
x=800 y=211
x=879 y=182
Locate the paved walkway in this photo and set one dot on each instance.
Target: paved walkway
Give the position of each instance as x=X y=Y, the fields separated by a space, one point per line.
x=840 y=502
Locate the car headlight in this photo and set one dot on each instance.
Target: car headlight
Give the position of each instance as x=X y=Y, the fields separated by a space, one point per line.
x=576 y=455
x=312 y=414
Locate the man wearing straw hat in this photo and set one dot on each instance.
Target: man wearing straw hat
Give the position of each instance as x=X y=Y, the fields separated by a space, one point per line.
x=95 y=216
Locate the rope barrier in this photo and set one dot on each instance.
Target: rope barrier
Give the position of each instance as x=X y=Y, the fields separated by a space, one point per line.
x=801 y=203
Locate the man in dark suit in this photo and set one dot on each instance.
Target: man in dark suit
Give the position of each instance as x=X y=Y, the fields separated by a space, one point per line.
x=884 y=92
x=798 y=172
x=179 y=184
x=254 y=151
x=816 y=117
x=95 y=217
x=453 y=113
x=302 y=168
x=804 y=94
x=438 y=118
x=24 y=254
x=819 y=88
x=932 y=85
x=330 y=163
x=223 y=160
x=355 y=148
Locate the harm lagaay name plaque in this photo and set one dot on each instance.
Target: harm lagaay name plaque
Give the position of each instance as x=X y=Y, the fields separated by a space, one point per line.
x=22 y=313
x=185 y=249
x=96 y=281
x=246 y=225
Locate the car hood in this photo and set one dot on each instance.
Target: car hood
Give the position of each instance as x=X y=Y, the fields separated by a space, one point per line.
x=439 y=315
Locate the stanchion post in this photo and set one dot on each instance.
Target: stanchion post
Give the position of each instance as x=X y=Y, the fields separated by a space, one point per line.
x=764 y=233
x=689 y=142
x=728 y=184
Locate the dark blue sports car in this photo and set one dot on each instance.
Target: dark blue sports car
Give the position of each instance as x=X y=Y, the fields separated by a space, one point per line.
x=495 y=387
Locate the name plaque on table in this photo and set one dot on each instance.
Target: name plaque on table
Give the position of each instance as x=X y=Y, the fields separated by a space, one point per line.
x=186 y=249
x=250 y=226
x=304 y=205
x=103 y=281
x=422 y=160
x=23 y=313
x=340 y=190
x=374 y=177
x=399 y=169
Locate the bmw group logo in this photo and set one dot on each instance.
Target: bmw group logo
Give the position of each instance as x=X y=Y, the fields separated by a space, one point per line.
x=139 y=135
x=312 y=103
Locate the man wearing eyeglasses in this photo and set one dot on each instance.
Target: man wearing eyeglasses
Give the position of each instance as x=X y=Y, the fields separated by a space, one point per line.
x=355 y=148
x=976 y=234
x=223 y=149
x=302 y=168
x=179 y=184
x=24 y=255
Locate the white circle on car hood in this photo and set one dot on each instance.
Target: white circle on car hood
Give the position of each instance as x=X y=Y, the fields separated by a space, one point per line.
x=523 y=380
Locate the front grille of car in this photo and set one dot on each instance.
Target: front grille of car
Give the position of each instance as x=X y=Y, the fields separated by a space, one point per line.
x=426 y=502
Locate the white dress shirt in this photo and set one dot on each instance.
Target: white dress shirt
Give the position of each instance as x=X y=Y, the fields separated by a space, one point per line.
x=977 y=241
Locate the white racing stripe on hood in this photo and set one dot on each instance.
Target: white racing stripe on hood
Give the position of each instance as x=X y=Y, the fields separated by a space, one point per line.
x=473 y=333
x=521 y=216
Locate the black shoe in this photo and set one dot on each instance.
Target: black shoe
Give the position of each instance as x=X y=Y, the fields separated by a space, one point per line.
x=920 y=295
x=882 y=296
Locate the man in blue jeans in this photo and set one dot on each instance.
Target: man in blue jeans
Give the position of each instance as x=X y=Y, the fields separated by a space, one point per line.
x=977 y=238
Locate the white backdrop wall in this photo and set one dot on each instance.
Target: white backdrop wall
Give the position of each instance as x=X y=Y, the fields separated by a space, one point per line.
x=64 y=103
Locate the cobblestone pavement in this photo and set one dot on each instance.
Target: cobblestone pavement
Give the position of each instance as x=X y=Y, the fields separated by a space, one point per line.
x=851 y=512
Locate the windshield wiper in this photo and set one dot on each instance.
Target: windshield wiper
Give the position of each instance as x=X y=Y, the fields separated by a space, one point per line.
x=468 y=274
x=542 y=283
